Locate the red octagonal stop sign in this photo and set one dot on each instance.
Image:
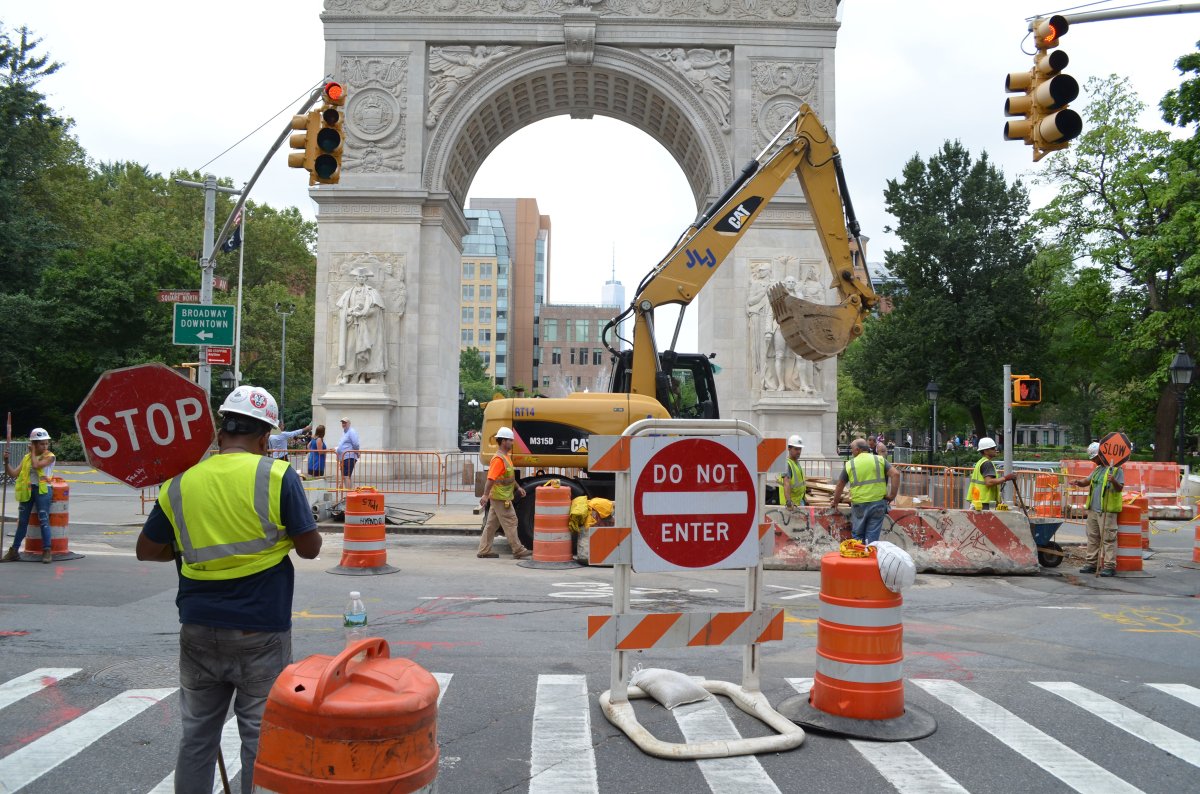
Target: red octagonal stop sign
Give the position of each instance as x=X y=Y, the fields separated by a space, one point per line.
x=144 y=424
x=694 y=503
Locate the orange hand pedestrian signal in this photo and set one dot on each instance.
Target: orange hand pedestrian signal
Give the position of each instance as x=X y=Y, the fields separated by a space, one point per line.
x=1026 y=390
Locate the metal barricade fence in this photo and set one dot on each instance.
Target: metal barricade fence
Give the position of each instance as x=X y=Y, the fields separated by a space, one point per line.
x=458 y=473
x=408 y=473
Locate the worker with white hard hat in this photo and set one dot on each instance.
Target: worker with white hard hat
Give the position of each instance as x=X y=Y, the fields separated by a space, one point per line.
x=1104 y=485
x=33 y=492
x=984 y=486
x=232 y=519
x=498 y=497
x=792 y=482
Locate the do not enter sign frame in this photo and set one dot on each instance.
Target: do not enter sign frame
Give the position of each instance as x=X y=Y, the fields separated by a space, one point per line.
x=695 y=504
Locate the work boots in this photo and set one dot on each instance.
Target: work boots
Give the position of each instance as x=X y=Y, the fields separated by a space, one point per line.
x=11 y=555
x=47 y=556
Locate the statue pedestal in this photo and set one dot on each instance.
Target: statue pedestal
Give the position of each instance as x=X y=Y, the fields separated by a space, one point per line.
x=780 y=414
x=369 y=409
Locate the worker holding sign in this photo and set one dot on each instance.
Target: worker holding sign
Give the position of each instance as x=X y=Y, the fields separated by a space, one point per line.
x=1104 y=485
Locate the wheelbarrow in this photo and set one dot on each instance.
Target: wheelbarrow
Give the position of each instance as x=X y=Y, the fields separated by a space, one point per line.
x=1049 y=553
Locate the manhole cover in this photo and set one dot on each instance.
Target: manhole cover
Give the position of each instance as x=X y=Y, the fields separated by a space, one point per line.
x=140 y=674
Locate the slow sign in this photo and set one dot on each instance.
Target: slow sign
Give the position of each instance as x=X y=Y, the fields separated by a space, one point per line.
x=694 y=503
x=1115 y=449
x=144 y=424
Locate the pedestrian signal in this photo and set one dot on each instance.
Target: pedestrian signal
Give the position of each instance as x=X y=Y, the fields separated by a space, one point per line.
x=1026 y=390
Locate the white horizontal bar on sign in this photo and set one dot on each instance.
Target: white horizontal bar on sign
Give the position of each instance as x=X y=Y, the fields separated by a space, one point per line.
x=671 y=503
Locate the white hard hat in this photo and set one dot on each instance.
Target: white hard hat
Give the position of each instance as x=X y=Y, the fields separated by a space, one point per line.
x=986 y=443
x=39 y=434
x=795 y=441
x=504 y=432
x=252 y=401
x=1093 y=449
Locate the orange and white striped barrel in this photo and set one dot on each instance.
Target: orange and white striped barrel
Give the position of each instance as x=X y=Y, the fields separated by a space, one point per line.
x=1196 y=542
x=1143 y=504
x=60 y=517
x=1129 y=538
x=1047 y=498
x=860 y=654
x=364 y=542
x=551 y=537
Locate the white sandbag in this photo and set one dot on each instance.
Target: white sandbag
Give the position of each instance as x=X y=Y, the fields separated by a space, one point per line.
x=669 y=687
x=896 y=565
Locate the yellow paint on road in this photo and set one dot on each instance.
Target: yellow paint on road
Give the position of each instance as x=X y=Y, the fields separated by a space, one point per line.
x=1151 y=621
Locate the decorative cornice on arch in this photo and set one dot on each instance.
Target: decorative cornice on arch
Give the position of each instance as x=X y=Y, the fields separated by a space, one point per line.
x=536 y=84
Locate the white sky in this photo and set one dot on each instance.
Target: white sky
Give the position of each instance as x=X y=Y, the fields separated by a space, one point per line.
x=172 y=85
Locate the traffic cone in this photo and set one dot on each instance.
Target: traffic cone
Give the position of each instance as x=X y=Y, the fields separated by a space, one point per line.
x=364 y=543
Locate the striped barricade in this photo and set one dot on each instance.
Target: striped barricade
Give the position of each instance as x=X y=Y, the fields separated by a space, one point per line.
x=641 y=631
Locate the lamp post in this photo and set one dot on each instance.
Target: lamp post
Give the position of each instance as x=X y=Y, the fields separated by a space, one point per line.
x=284 y=310
x=1181 y=370
x=931 y=393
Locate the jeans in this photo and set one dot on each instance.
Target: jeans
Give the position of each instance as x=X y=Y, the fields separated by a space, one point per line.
x=40 y=502
x=214 y=666
x=866 y=520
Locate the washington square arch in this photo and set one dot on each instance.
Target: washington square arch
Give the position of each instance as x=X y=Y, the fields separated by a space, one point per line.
x=435 y=85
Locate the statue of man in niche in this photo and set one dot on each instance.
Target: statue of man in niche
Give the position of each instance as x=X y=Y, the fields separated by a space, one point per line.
x=362 y=350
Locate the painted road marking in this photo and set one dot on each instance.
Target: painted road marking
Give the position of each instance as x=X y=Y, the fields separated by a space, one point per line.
x=707 y=720
x=562 y=759
x=1184 y=692
x=231 y=751
x=1050 y=754
x=25 y=685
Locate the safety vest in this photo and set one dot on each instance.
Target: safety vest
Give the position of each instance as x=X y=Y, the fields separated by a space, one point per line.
x=505 y=492
x=799 y=485
x=225 y=513
x=865 y=473
x=980 y=492
x=23 y=490
x=1110 y=501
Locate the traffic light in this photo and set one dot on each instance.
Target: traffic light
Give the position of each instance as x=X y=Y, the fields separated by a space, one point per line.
x=305 y=143
x=327 y=166
x=1047 y=124
x=1026 y=390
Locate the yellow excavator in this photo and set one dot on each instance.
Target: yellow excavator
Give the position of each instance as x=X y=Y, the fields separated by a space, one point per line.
x=646 y=382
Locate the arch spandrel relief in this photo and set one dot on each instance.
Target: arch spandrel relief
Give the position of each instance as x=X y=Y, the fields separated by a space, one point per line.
x=375 y=112
x=778 y=88
x=707 y=72
x=740 y=10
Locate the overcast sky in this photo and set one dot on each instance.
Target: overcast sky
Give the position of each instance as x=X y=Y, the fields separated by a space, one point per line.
x=172 y=85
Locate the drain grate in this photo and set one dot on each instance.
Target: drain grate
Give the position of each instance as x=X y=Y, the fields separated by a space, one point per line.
x=148 y=673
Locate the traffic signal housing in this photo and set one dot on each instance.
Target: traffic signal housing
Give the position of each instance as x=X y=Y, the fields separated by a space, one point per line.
x=1026 y=390
x=1045 y=122
x=327 y=165
x=305 y=142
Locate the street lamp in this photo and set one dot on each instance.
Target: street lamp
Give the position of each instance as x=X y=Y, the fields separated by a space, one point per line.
x=284 y=310
x=227 y=380
x=1181 y=370
x=931 y=394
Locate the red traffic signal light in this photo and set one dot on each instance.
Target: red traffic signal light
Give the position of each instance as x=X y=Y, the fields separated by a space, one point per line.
x=334 y=93
x=1026 y=390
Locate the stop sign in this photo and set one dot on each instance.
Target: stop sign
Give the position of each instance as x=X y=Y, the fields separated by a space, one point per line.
x=144 y=424
x=694 y=503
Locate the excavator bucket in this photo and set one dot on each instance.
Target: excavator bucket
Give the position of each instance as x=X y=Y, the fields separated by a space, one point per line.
x=815 y=331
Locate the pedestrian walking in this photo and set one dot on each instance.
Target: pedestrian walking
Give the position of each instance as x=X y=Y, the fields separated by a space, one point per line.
x=316 y=455
x=792 y=482
x=873 y=486
x=984 y=485
x=32 y=489
x=347 y=452
x=229 y=523
x=497 y=499
x=1104 y=485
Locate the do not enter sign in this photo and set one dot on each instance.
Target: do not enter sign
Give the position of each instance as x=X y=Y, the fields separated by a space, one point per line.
x=694 y=503
x=144 y=424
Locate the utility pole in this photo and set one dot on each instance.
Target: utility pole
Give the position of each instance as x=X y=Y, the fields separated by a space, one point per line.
x=285 y=311
x=1006 y=395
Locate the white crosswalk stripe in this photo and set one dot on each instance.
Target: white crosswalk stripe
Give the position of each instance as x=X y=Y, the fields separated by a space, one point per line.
x=1184 y=692
x=25 y=685
x=562 y=760
x=707 y=720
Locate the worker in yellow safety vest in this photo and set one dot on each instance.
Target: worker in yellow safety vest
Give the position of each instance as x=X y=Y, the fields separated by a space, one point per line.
x=497 y=499
x=1104 y=485
x=792 y=482
x=229 y=523
x=873 y=486
x=984 y=487
x=33 y=492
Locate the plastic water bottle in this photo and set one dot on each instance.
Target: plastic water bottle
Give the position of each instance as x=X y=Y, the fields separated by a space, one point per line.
x=355 y=619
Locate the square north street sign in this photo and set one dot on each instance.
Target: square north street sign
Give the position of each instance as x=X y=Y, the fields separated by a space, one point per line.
x=203 y=325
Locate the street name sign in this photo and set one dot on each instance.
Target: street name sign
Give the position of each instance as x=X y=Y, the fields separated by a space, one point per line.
x=203 y=325
x=179 y=296
x=694 y=504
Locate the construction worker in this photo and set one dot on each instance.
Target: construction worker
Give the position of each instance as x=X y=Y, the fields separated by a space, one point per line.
x=873 y=486
x=33 y=492
x=228 y=523
x=984 y=487
x=793 y=483
x=497 y=499
x=1104 y=485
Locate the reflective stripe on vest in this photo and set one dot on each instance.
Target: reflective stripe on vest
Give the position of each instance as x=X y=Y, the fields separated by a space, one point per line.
x=979 y=491
x=213 y=485
x=867 y=483
x=504 y=492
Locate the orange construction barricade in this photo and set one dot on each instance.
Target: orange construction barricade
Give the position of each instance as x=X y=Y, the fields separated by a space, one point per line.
x=364 y=545
x=551 y=534
x=335 y=725
x=1196 y=543
x=60 y=518
x=1129 y=538
x=1047 y=496
x=1143 y=504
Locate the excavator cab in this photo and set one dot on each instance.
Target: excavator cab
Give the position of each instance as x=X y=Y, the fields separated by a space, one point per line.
x=684 y=383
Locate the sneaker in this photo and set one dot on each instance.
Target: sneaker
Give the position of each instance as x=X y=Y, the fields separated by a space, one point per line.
x=11 y=555
x=1088 y=569
x=1109 y=572
x=47 y=556
x=523 y=554
x=487 y=555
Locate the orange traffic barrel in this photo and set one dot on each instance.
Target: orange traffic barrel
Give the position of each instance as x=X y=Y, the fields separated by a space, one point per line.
x=1143 y=504
x=858 y=689
x=1047 y=498
x=335 y=725
x=60 y=518
x=551 y=531
x=1196 y=543
x=1129 y=538
x=364 y=542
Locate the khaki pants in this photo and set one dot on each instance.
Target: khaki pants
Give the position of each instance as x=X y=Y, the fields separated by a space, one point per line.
x=506 y=519
x=1101 y=535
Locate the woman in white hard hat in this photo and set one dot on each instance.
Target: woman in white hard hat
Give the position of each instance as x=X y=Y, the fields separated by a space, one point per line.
x=498 y=499
x=984 y=487
x=33 y=492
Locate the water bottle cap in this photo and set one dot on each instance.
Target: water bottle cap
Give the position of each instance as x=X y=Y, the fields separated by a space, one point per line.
x=355 y=594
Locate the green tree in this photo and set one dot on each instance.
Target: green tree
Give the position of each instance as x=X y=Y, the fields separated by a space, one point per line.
x=476 y=384
x=965 y=304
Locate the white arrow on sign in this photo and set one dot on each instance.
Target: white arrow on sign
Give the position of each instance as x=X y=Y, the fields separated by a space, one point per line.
x=204 y=335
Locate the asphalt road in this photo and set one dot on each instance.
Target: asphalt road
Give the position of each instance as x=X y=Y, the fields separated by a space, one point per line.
x=1043 y=683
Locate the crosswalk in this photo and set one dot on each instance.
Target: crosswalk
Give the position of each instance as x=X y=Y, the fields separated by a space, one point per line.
x=568 y=740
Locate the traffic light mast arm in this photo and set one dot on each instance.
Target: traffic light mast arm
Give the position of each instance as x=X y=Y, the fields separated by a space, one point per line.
x=227 y=229
x=1131 y=13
